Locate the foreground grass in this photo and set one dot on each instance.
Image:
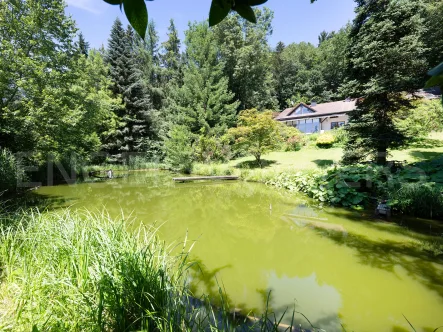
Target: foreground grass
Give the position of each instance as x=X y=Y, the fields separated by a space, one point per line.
x=83 y=272
x=68 y=272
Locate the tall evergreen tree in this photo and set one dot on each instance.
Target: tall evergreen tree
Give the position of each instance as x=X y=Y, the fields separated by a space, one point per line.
x=204 y=102
x=386 y=57
x=135 y=113
x=83 y=45
x=279 y=73
x=149 y=63
x=171 y=58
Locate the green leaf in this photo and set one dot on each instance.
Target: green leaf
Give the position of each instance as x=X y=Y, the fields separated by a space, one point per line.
x=114 y=2
x=219 y=10
x=246 y=12
x=437 y=70
x=137 y=15
x=256 y=2
x=434 y=81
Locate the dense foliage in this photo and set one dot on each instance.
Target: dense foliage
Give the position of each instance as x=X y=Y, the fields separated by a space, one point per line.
x=60 y=99
x=257 y=133
x=388 y=54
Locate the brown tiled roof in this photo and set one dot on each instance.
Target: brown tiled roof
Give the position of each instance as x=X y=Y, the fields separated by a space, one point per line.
x=335 y=107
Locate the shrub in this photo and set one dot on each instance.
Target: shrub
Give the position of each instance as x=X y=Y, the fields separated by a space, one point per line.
x=179 y=149
x=341 y=136
x=346 y=186
x=325 y=140
x=212 y=148
x=293 y=139
x=11 y=171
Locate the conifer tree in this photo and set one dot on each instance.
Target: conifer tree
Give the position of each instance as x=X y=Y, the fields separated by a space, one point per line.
x=386 y=58
x=127 y=76
x=83 y=45
x=171 y=59
x=204 y=102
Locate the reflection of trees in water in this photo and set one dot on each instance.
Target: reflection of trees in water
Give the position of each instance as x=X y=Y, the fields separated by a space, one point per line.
x=386 y=255
x=239 y=208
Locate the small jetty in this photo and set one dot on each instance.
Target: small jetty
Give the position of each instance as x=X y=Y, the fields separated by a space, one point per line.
x=206 y=178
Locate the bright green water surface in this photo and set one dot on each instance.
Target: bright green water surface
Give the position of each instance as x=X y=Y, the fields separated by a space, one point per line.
x=333 y=265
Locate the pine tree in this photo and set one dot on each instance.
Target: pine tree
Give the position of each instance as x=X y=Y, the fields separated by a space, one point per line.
x=386 y=57
x=204 y=102
x=279 y=73
x=83 y=45
x=171 y=59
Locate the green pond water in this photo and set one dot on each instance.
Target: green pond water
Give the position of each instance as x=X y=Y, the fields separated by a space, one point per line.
x=335 y=266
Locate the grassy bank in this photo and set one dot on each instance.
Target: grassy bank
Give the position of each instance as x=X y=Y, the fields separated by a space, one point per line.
x=83 y=272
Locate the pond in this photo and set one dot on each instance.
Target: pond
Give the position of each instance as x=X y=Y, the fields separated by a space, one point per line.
x=335 y=266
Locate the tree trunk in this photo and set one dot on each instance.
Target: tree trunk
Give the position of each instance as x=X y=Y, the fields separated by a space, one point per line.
x=258 y=159
x=382 y=154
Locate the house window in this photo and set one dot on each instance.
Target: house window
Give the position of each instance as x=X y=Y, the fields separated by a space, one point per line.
x=302 y=110
x=308 y=126
x=337 y=124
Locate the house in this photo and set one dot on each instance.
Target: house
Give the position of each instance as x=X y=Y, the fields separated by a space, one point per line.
x=318 y=117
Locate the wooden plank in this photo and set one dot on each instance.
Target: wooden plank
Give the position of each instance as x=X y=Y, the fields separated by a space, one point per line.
x=200 y=178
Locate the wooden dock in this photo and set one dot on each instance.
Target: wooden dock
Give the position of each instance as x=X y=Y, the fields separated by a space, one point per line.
x=207 y=178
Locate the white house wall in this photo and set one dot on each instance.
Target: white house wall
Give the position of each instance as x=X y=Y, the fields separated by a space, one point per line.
x=326 y=124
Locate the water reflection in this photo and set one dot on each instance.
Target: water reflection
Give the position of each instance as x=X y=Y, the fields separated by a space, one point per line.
x=319 y=302
x=334 y=265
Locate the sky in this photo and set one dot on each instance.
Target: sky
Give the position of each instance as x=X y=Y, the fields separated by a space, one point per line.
x=294 y=20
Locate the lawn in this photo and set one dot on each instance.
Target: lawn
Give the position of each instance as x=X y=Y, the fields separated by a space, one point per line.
x=311 y=158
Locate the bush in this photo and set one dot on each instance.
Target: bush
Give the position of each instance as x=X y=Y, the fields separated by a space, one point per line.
x=341 y=136
x=346 y=186
x=418 y=199
x=212 y=148
x=293 y=139
x=325 y=140
x=11 y=171
x=179 y=149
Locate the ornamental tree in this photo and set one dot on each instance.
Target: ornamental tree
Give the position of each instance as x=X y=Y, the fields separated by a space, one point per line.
x=256 y=132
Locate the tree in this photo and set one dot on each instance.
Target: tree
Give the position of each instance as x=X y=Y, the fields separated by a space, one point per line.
x=424 y=118
x=127 y=76
x=324 y=36
x=52 y=100
x=256 y=132
x=245 y=51
x=204 y=102
x=171 y=58
x=332 y=63
x=83 y=45
x=301 y=76
x=386 y=57
x=279 y=74
x=179 y=150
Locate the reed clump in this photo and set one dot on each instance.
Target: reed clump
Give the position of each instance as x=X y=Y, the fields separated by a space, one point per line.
x=85 y=272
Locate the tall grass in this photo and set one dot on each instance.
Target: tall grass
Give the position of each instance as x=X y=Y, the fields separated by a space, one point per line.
x=418 y=199
x=83 y=272
x=75 y=272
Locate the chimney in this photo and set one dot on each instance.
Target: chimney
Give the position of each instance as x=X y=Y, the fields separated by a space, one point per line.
x=313 y=103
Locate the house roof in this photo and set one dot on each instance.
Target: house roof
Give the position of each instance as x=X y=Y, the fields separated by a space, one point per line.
x=325 y=109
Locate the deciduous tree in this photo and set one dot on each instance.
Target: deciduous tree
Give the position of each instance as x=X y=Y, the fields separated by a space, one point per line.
x=257 y=133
